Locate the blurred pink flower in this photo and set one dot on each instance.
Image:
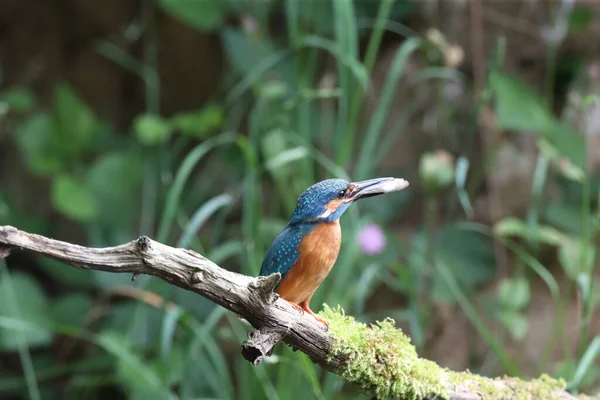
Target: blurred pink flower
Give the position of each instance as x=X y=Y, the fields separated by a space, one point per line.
x=371 y=239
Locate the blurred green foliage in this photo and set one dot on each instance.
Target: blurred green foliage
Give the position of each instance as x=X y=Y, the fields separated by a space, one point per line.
x=223 y=179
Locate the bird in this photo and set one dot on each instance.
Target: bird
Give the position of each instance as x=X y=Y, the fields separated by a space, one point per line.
x=306 y=250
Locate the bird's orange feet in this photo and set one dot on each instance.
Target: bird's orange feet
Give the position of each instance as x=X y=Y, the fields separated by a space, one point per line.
x=297 y=307
x=315 y=316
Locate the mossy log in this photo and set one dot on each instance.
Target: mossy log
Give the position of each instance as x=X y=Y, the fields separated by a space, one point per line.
x=378 y=357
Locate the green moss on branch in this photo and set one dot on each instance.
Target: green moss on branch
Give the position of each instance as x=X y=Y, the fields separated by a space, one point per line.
x=381 y=360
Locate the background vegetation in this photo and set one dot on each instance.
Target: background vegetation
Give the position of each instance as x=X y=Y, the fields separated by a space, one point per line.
x=199 y=123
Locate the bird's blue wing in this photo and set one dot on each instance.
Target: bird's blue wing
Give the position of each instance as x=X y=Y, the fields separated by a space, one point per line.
x=284 y=253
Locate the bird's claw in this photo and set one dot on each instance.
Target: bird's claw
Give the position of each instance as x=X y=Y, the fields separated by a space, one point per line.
x=297 y=308
x=303 y=309
x=315 y=316
x=324 y=322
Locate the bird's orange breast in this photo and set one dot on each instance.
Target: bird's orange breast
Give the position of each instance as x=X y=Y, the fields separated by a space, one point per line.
x=318 y=251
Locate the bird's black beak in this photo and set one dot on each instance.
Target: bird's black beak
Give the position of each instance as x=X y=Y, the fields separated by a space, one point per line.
x=374 y=187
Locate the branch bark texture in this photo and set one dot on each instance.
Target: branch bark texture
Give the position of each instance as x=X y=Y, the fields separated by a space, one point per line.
x=250 y=298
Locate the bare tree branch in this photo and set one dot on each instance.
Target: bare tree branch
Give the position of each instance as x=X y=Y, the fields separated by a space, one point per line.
x=253 y=299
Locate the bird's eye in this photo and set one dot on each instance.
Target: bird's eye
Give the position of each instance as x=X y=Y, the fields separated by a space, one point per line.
x=342 y=193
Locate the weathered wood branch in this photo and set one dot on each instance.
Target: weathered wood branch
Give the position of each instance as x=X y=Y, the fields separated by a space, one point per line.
x=253 y=299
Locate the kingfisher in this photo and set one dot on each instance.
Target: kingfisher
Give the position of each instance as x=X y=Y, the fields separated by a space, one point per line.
x=306 y=250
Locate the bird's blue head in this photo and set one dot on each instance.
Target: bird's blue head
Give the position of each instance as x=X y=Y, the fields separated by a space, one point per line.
x=327 y=200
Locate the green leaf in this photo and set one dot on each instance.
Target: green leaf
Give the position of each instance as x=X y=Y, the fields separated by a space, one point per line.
x=35 y=139
x=468 y=254
x=19 y=99
x=579 y=19
x=199 y=123
x=516 y=322
x=243 y=53
x=74 y=123
x=587 y=364
x=518 y=107
x=205 y=15
x=114 y=180
x=74 y=277
x=563 y=165
x=132 y=371
x=109 y=280
x=151 y=129
x=31 y=307
x=72 y=198
x=576 y=257
x=514 y=293
x=511 y=226
x=70 y=309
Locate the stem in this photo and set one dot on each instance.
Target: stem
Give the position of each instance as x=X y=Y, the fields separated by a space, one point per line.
x=357 y=97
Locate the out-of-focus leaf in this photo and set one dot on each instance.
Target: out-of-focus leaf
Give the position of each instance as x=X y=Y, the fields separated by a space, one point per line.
x=587 y=363
x=514 y=293
x=580 y=19
x=243 y=53
x=565 y=217
x=199 y=123
x=516 y=322
x=536 y=266
x=32 y=308
x=225 y=250
x=576 y=257
x=18 y=99
x=468 y=254
x=70 y=309
x=123 y=314
x=4 y=211
x=132 y=371
x=519 y=108
x=113 y=180
x=172 y=368
x=169 y=326
x=201 y=14
x=571 y=146
x=74 y=123
x=511 y=226
x=35 y=139
x=78 y=278
x=73 y=199
x=200 y=217
x=185 y=169
x=151 y=129
x=562 y=164
x=273 y=90
x=109 y=280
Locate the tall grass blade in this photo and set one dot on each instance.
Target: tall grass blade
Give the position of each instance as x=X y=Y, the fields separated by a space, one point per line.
x=471 y=313
x=368 y=150
x=176 y=189
x=352 y=63
x=167 y=332
x=587 y=361
x=24 y=354
x=356 y=98
x=201 y=216
x=536 y=266
x=539 y=180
